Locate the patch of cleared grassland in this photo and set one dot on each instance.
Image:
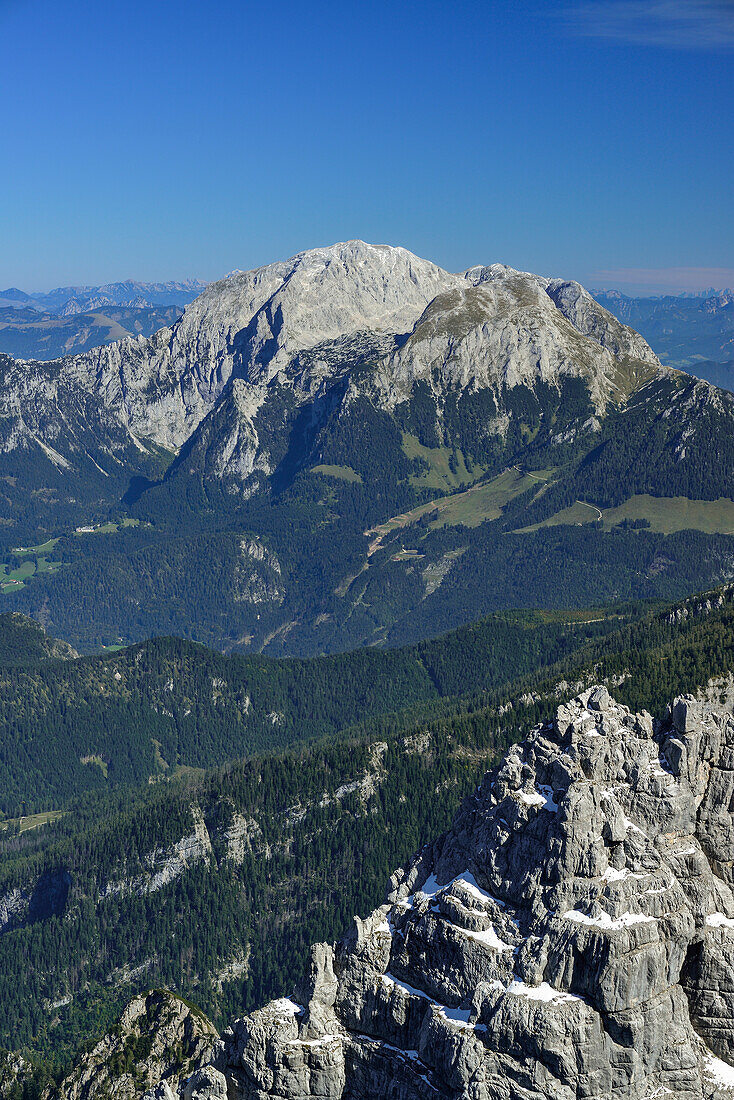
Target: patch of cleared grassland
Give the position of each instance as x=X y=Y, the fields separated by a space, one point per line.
x=440 y=475
x=11 y=579
x=669 y=514
x=22 y=572
x=664 y=514
x=470 y=507
x=482 y=502
x=11 y=586
x=574 y=516
x=42 y=549
x=46 y=566
x=32 y=821
x=344 y=473
x=108 y=528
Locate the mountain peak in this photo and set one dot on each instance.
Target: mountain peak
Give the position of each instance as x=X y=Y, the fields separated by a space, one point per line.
x=569 y=936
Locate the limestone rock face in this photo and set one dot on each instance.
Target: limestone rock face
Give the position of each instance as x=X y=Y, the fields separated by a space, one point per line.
x=159 y=1042
x=506 y=328
x=571 y=936
x=228 y=378
x=250 y=325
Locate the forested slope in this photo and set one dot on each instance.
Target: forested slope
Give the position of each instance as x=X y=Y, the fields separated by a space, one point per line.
x=159 y=707
x=214 y=885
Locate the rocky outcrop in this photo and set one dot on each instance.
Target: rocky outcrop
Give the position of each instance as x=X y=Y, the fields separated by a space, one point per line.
x=571 y=936
x=159 y=1041
x=503 y=328
x=25 y=904
x=258 y=345
x=167 y=864
x=14 y=1072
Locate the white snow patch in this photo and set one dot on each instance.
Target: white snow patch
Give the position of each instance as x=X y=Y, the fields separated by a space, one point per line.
x=613 y=875
x=718 y=920
x=314 y=1042
x=721 y=1072
x=466 y=878
x=286 y=1006
x=489 y=938
x=542 y=796
x=389 y=979
x=605 y=921
x=542 y=992
x=458 y=1016
x=432 y=886
x=635 y=828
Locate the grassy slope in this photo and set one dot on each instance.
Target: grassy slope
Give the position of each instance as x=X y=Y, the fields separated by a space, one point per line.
x=665 y=515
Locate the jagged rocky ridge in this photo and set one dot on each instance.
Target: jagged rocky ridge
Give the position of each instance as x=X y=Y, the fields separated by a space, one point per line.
x=571 y=936
x=158 y=1034
x=293 y=330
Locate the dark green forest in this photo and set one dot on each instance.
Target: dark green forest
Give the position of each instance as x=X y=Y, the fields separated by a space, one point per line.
x=156 y=708
x=320 y=827
x=286 y=568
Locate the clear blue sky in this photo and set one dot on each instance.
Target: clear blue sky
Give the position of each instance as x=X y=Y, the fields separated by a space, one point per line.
x=161 y=139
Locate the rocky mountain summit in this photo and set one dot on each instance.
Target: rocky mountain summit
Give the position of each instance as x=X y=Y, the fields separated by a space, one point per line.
x=572 y=935
x=158 y=1034
x=288 y=329
x=314 y=407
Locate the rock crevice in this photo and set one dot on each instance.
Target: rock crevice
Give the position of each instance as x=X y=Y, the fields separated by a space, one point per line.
x=571 y=936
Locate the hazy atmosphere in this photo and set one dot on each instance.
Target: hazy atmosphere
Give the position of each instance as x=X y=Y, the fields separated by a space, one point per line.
x=159 y=141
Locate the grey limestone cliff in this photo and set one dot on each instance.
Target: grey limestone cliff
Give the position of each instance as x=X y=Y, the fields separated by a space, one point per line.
x=158 y=1043
x=288 y=335
x=571 y=936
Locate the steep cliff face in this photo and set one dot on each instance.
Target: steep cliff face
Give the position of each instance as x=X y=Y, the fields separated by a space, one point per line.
x=158 y=1041
x=291 y=326
x=571 y=936
x=506 y=328
x=251 y=325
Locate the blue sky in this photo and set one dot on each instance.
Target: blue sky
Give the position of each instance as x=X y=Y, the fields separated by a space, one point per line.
x=158 y=140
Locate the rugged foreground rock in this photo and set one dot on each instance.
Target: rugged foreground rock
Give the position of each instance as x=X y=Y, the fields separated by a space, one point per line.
x=158 y=1043
x=571 y=936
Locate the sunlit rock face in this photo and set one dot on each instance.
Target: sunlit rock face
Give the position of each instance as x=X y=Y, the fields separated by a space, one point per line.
x=258 y=346
x=571 y=936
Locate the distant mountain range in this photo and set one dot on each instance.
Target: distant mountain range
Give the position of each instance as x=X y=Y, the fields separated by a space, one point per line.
x=74 y=319
x=692 y=332
x=68 y=300
x=27 y=333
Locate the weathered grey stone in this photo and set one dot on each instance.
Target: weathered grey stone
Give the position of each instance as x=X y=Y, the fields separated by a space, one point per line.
x=566 y=938
x=205 y=1084
x=571 y=937
x=159 y=1041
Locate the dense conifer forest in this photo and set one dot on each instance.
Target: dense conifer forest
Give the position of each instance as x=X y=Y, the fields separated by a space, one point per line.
x=296 y=841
